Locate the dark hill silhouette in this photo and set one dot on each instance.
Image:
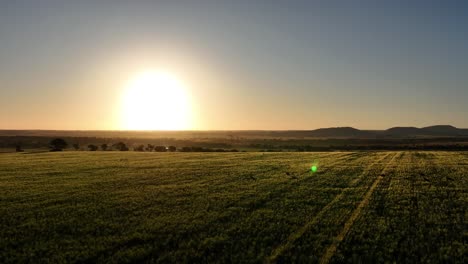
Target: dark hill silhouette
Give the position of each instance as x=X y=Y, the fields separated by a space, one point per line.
x=394 y=132
x=431 y=131
x=402 y=131
x=443 y=130
x=340 y=132
x=331 y=132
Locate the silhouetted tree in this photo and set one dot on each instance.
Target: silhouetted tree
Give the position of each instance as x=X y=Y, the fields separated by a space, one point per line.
x=19 y=149
x=150 y=147
x=186 y=149
x=104 y=147
x=172 y=148
x=139 y=148
x=92 y=147
x=197 y=149
x=120 y=146
x=160 y=149
x=57 y=144
x=76 y=146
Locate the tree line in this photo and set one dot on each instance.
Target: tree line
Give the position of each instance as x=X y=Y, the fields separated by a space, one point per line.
x=60 y=144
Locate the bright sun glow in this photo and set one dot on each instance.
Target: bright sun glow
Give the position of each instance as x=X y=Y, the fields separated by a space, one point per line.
x=155 y=101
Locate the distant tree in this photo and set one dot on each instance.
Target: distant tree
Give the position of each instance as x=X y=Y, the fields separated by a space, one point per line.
x=92 y=147
x=120 y=146
x=186 y=149
x=198 y=149
x=19 y=149
x=58 y=144
x=139 y=148
x=104 y=147
x=172 y=148
x=76 y=146
x=150 y=147
x=160 y=149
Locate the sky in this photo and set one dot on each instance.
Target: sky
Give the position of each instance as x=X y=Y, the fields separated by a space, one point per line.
x=267 y=65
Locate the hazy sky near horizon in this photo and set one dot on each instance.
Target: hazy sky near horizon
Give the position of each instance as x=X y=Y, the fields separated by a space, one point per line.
x=245 y=64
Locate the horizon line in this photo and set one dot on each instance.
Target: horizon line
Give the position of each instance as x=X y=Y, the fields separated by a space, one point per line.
x=215 y=130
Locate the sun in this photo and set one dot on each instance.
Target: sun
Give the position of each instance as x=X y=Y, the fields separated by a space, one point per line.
x=155 y=100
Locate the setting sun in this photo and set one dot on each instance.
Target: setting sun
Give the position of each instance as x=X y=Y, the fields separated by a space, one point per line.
x=155 y=100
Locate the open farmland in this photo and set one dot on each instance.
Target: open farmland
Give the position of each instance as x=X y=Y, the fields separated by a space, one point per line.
x=106 y=207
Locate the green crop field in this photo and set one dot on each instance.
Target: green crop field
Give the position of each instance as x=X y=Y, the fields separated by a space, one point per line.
x=114 y=207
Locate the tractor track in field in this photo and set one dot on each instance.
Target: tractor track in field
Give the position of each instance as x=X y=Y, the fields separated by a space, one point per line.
x=300 y=232
x=326 y=257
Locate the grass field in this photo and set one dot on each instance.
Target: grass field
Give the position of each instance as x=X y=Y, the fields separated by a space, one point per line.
x=373 y=207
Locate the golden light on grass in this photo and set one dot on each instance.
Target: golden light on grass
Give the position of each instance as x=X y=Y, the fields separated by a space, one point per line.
x=155 y=100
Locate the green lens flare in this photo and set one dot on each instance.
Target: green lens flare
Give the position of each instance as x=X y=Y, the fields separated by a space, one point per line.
x=314 y=168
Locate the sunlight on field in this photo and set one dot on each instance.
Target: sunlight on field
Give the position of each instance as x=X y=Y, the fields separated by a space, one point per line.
x=155 y=100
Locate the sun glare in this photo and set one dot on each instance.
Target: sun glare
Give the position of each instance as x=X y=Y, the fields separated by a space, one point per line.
x=155 y=101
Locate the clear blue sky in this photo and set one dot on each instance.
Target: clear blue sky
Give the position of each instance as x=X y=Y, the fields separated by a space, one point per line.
x=247 y=64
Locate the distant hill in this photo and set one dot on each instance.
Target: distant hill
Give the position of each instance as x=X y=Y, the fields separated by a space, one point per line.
x=340 y=132
x=443 y=130
x=402 y=131
x=394 y=132
x=331 y=132
x=432 y=131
